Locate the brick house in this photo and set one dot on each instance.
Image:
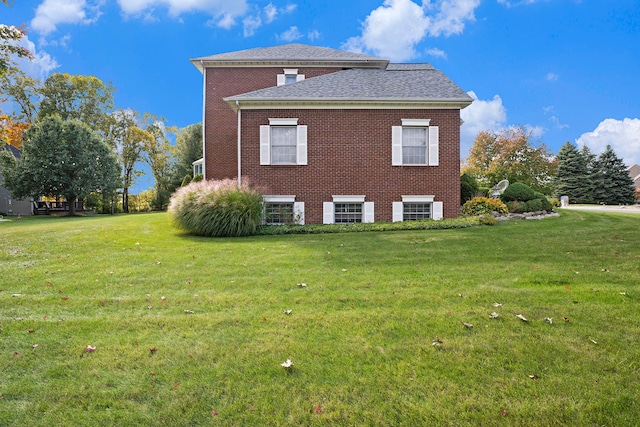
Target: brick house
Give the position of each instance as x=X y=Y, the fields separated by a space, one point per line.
x=331 y=136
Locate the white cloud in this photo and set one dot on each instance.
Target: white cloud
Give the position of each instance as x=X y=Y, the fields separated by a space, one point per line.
x=314 y=35
x=622 y=135
x=518 y=3
x=291 y=34
x=489 y=115
x=250 y=24
x=224 y=11
x=267 y=15
x=552 y=77
x=435 y=52
x=394 y=29
x=41 y=65
x=51 y=13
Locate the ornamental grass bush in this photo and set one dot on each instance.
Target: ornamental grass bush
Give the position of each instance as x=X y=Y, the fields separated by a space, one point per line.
x=484 y=205
x=216 y=209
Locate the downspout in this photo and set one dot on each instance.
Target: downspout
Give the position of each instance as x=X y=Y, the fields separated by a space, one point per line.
x=239 y=145
x=204 y=121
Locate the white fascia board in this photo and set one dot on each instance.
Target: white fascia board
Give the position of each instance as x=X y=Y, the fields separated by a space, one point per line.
x=346 y=104
x=416 y=122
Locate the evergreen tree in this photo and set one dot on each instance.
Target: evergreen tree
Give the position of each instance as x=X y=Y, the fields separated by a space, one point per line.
x=613 y=185
x=573 y=179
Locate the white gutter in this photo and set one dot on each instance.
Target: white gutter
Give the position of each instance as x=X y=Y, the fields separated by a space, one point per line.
x=239 y=145
x=204 y=112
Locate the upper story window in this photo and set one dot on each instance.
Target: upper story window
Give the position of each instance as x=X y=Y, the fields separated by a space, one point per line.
x=415 y=143
x=283 y=142
x=289 y=75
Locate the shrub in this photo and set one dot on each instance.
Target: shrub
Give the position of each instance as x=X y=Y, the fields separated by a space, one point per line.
x=468 y=188
x=546 y=204
x=516 y=206
x=487 y=219
x=199 y=177
x=484 y=205
x=216 y=209
x=534 y=205
x=186 y=180
x=518 y=191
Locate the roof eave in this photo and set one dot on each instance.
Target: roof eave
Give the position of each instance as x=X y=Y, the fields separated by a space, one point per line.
x=202 y=63
x=327 y=103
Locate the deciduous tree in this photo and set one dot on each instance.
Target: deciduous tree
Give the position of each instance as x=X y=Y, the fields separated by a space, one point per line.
x=188 y=149
x=510 y=154
x=61 y=159
x=158 y=155
x=11 y=131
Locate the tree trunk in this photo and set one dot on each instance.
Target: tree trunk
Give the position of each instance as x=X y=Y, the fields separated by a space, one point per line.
x=72 y=205
x=125 y=199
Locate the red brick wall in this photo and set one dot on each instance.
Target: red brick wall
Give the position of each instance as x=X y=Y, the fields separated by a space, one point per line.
x=349 y=153
x=221 y=121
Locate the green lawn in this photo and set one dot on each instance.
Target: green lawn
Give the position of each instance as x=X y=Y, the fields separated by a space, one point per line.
x=192 y=331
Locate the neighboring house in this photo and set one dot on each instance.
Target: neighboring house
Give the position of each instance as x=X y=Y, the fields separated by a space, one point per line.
x=9 y=205
x=634 y=172
x=334 y=137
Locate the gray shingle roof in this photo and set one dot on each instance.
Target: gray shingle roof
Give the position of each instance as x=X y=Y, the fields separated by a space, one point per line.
x=399 y=82
x=290 y=52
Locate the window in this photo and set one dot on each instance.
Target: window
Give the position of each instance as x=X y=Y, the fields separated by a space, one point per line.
x=283 y=142
x=198 y=167
x=415 y=143
x=347 y=213
x=283 y=145
x=412 y=211
x=412 y=208
x=289 y=75
x=278 y=213
x=347 y=210
x=283 y=210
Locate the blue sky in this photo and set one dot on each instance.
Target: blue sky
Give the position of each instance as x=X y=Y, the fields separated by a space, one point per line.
x=567 y=69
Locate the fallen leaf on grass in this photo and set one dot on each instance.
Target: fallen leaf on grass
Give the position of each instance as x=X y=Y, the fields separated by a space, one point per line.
x=467 y=325
x=566 y=319
x=623 y=294
x=287 y=311
x=436 y=341
x=214 y=412
x=64 y=298
x=153 y=350
x=318 y=410
x=302 y=285
x=90 y=349
x=593 y=341
x=149 y=307
x=16 y=295
x=287 y=364
x=534 y=377
x=497 y=304
x=521 y=317
x=31 y=331
x=549 y=320
x=189 y=311
x=35 y=346
x=494 y=315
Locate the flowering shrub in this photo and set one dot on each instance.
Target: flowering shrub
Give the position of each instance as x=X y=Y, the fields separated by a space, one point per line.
x=484 y=205
x=216 y=209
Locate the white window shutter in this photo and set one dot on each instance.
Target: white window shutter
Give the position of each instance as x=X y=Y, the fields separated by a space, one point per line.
x=433 y=145
x=302 y=145
x=299 y=77
x=397 y=212
x=368 y=212
x=298 y=212
x=281 y=80
x=396 y=145
x=265 y=145
x=437 y=210
x=327 y=212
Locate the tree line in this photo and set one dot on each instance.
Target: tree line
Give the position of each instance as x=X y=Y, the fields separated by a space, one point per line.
x=76 y=144
x=513 y=154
